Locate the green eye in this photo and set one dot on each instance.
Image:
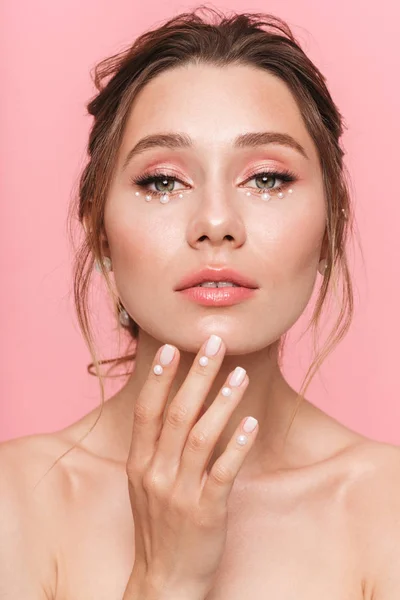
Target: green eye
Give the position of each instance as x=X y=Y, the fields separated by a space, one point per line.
x=165 y=184
x=265 y=179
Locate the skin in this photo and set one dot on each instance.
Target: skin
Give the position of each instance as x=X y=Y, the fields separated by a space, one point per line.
x=300 y=514
x=278 y=244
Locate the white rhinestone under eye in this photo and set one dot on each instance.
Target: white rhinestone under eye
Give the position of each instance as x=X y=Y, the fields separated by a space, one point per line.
x=268 y=194
x=164 y=198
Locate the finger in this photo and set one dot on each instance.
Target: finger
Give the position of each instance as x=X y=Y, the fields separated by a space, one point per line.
x=150 y=405
x=204 y=435
x=221 y=478
x=187 y=403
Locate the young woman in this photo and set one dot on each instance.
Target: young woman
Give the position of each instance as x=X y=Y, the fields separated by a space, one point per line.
x=213 y=202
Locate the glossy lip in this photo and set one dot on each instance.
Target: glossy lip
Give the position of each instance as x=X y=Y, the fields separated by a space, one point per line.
x=212 y=274
x=218 y=297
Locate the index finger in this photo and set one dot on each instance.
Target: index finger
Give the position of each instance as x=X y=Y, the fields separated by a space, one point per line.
x=150 y=405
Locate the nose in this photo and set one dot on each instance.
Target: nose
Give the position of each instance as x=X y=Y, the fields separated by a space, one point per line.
x=217 y=222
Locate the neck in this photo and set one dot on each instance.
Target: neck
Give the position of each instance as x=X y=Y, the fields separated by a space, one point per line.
x=268 y=398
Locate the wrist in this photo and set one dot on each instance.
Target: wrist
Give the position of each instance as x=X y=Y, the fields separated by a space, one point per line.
x=154 y=590
x=143 y=586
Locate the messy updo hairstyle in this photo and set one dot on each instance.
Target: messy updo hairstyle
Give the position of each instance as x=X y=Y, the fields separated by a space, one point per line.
x=206 y=36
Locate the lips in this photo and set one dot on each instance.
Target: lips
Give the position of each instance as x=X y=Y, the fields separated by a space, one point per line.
x=212 y=274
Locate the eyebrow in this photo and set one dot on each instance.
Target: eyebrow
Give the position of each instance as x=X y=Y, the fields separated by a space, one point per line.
x=245 y=140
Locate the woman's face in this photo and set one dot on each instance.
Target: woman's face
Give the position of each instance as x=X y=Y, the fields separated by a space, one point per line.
x=215 y=223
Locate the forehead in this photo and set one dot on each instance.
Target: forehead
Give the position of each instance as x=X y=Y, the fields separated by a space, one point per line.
x=214 y=104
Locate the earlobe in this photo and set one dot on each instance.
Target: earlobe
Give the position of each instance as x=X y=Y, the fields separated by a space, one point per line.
x=104 y=245
x=323 y=262
x=323 y=265
x=85 y=224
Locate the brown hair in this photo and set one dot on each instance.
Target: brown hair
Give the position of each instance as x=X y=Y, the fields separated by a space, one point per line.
x=255 y=39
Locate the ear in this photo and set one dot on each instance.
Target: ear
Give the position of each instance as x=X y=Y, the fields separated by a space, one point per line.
x=324 y=246
x=85 y=225
x=105 y=248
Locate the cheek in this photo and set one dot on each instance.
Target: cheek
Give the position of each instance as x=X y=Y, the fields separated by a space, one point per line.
x=291 y=245
x=289 y=250
x=135 y=248
x=301 y=247
x=133 y=236
x=142 y=251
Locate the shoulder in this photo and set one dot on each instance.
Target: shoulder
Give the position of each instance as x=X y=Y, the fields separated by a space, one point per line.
x=374 y=477
x=49 y=470
x=24 y=458
x=46 y=482
x=29 y=514
x=374 y=506
x=377 y=467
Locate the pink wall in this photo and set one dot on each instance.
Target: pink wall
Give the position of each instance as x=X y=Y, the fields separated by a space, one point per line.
x=47 y=50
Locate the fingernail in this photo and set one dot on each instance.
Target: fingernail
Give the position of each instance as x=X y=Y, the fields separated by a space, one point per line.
x=167 y=354
x=213 y=345
x=237 y=376
x=250 y=424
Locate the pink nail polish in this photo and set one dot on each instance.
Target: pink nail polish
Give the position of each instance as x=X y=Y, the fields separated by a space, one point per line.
x=250 y=424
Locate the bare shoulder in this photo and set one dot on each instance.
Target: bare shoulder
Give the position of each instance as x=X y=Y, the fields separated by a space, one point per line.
x=46 y=481
x=26 y=458
x=40 y=478
x=377 y=463
x=374 y=512
x=374 y=475
x=49 y=469
x=28 y=516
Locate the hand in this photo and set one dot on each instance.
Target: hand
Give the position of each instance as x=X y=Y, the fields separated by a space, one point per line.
x=179 y=509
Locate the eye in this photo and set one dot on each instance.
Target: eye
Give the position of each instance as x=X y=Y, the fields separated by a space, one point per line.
x=164 y=184
x=266 y=180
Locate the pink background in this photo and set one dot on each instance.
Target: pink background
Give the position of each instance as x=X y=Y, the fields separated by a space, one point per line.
x=47 y=49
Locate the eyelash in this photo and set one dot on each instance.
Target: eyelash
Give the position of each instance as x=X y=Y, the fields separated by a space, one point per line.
x=144 y=180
